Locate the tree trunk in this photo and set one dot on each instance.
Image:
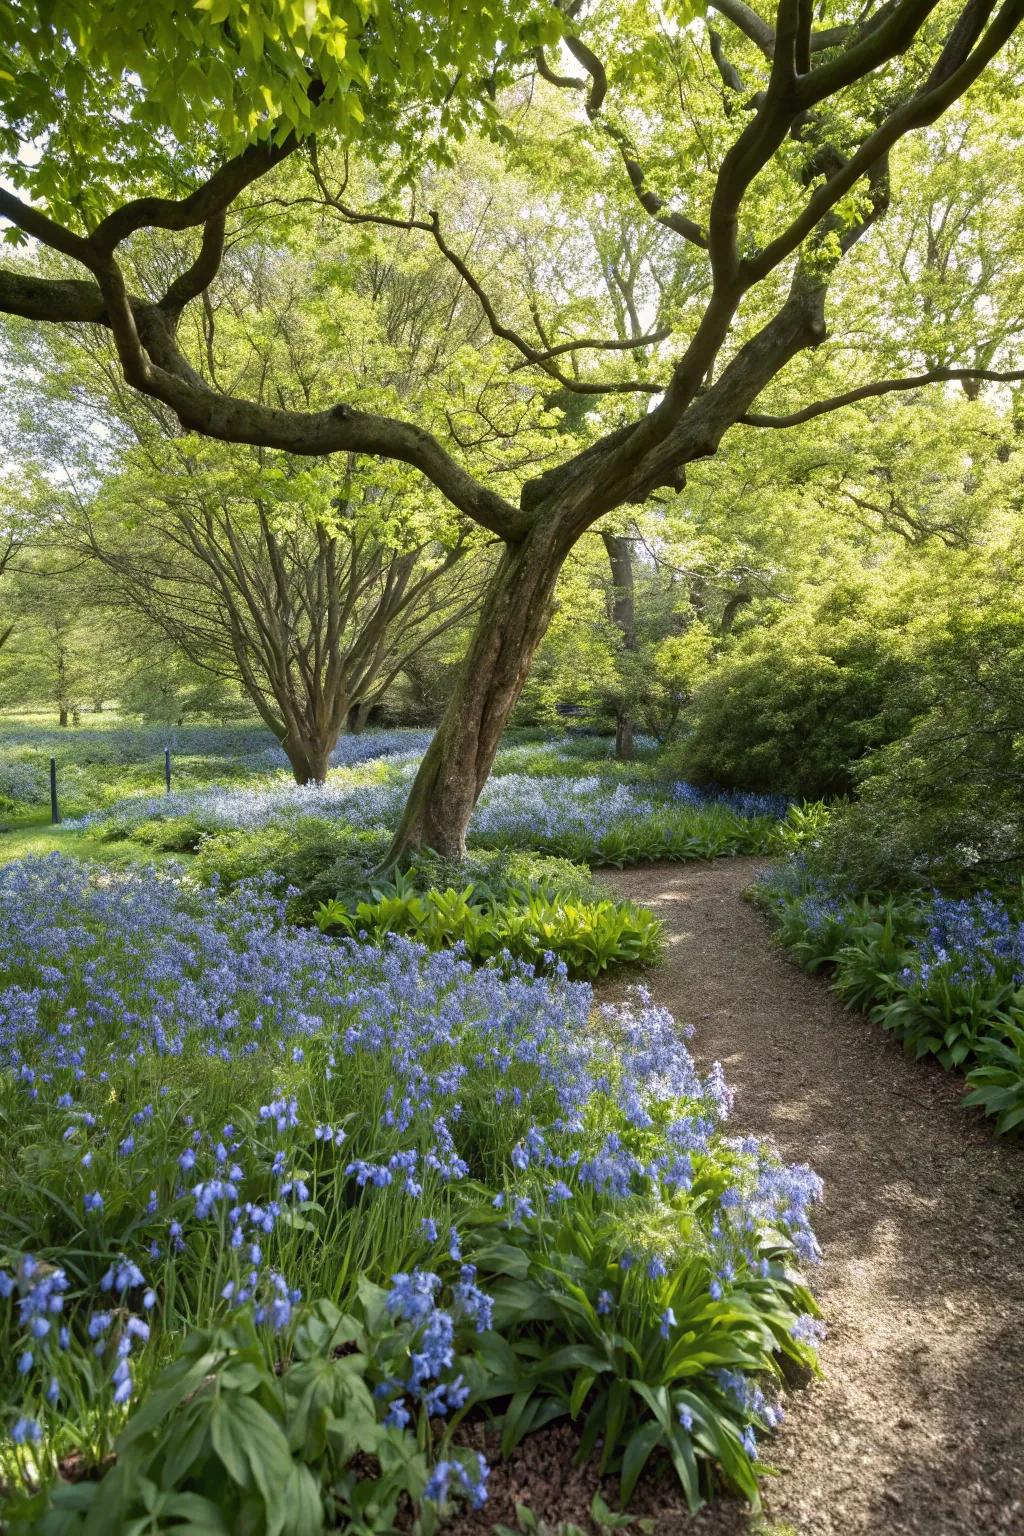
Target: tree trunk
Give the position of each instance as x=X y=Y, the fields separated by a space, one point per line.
x=516 y=611
x=63 y=717
x=310 y=757
x=620 y=558
x=358 y=716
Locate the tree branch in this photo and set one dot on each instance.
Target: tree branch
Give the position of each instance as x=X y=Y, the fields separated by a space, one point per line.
x=201 y=273
x=533 y=356
x=649 y=200
x=950 y=79
x=880 y=387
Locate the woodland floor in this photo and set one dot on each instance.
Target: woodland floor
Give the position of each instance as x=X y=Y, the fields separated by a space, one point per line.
x=918 y=1426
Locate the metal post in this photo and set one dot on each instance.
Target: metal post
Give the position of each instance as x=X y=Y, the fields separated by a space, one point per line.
x=167 y=768
x=54 y=807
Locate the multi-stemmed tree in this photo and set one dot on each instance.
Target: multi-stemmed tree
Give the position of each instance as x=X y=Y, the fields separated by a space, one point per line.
x=311 y=583
x=759 y=149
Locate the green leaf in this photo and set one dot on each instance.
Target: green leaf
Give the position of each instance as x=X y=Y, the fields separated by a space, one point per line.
x=636 y=1454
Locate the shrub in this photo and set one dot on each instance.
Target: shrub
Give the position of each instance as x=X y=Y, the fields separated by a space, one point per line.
x=589 y=938
x=945 y=805
x=211 y=1115
x=797 y=704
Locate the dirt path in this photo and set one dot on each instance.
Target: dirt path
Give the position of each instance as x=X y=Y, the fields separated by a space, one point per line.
x=919 y=1425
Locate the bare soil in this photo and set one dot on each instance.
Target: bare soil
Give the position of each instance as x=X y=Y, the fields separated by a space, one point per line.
x=918 y=1426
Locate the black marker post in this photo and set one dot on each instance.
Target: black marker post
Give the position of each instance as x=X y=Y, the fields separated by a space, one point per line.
x=54 y=807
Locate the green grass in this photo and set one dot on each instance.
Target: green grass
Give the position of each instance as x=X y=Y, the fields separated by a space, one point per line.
x=25 y=836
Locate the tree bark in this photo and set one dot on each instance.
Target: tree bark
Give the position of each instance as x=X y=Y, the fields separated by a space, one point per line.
x=516 y=612
x=309 y=755
x=623 y=615
x=358 y=716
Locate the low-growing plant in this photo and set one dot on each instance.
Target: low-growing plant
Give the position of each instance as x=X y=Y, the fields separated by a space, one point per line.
x=537 y=926
x=277 y=1435
x=646 y=1355
x=209 y=1113
x=997 y=1082
x=946 y=976
x=579 y=818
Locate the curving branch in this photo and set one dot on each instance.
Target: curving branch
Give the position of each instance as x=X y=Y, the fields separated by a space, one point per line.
x=540 y=357
x=152 y=363
x=753 y=26
x=881 y=387
x=596 y=88
x=197 y=279
x=762 y=33
x=956 y=69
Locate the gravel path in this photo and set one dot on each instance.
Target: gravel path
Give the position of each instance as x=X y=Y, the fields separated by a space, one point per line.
x=918 y=1427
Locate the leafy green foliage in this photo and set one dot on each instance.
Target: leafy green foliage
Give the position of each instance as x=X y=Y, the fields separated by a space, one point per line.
x=946 y=978
x=113 y=81
x=645 y=1361
x=997 y=1083
x=796 y=704
x=529 y=924
x=232 y=1436
x=945 y=804
x=320 y=861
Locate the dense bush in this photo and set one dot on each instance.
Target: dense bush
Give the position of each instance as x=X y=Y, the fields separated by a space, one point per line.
x=946 y=976
x=307 y=1149
x=535 y=925
x=795 y=705
x=945 y=804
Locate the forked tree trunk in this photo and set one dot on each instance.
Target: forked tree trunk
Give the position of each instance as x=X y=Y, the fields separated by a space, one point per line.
x=310 y=757
x=516 y=611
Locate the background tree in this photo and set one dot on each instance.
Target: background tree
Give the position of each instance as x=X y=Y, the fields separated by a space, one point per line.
x=60 y=652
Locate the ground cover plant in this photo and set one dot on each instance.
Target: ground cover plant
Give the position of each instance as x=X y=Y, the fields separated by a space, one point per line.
x=533 y=924
x=581 y=817
x=280 y=1201
x=327 y=842
x=99 y=764
x=944 y=974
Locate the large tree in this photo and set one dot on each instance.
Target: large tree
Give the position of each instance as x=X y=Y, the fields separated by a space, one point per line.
x=759 y=149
